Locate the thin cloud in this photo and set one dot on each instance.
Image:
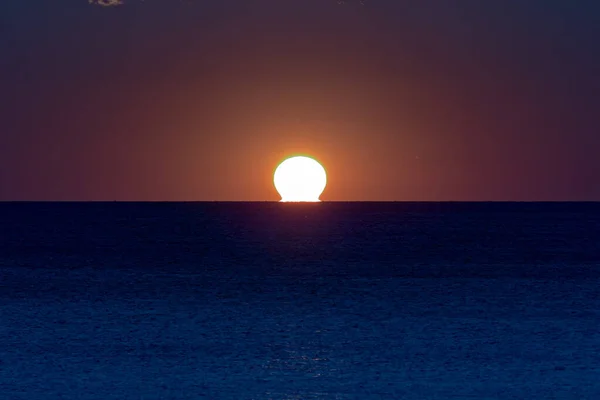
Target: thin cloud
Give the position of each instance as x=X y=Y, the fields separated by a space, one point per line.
x=106 y=3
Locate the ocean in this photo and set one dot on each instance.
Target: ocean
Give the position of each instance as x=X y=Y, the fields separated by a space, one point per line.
x=299 y=301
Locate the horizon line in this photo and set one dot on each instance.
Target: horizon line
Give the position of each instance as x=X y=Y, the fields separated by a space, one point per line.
x=293 y=202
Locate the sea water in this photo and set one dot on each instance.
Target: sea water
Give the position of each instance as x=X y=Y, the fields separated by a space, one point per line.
x=299 y=301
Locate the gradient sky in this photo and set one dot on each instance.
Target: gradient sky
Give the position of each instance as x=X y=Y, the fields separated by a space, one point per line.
x=399 y=100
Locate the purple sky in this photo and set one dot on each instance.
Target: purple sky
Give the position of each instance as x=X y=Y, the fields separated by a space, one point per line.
x=399 y=100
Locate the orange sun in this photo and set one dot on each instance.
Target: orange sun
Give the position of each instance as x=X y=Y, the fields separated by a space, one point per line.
x=300 y=179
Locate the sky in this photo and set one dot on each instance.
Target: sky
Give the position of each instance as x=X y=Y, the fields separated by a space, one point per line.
x=200 y=100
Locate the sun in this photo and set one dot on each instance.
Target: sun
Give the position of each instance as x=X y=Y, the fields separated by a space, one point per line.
x=300 y=179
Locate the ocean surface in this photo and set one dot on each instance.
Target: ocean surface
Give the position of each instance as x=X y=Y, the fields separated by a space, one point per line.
x=299 y=301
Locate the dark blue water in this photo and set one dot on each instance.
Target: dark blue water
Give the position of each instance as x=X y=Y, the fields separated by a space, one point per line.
x=299 y=301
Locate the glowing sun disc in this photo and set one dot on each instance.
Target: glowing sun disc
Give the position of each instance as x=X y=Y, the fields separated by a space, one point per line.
x=300 y=179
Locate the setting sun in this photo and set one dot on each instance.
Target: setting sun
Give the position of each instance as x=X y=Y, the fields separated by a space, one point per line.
x=300 y=179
